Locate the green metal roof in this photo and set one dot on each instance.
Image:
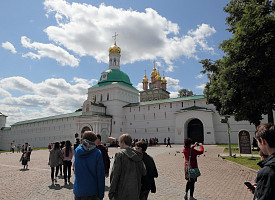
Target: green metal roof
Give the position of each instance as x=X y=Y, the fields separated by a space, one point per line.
x=5 y=128
x=113 y=76
x=74 y=114
x=189 y=98
x=196 y=108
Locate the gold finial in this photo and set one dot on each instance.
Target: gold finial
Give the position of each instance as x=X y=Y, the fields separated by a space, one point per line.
x=154 y=73
x=114 y=48
x=163 y=79
x=145 y=79
x=158 y=77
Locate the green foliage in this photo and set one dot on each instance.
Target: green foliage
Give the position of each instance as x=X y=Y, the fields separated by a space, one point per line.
x=80 y=109
x=242 y=82
x=185 y=93
x=250 y=162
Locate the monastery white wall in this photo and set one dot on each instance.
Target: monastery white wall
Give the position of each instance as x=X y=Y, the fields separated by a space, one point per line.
x=39 y=134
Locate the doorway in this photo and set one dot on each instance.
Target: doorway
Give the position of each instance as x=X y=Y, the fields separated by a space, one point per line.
x=195 y=131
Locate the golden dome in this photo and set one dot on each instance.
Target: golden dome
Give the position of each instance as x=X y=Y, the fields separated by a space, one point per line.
x=154 y=72
x=163 y=80
x=114 y=49
x=158 y=77
x=145 y=79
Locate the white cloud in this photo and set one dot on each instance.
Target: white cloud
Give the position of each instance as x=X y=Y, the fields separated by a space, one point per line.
x=17 y=83
x=202 y=86
x=4 y=93
x=50 y=97
x=139 y=86
x=9 y=46
x=199 y=76
x=86 y=30
x=49 y=50
x=173 y=83
x=174 y=94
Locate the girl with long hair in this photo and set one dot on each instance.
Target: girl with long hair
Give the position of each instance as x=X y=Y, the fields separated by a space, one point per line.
x=190 y=151
x=68 y=153
x=55 y=159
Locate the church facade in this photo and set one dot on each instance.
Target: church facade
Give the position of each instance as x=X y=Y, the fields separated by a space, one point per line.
x=113 y=107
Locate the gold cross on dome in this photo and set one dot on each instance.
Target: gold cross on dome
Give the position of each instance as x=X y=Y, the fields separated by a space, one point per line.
x=115 y=36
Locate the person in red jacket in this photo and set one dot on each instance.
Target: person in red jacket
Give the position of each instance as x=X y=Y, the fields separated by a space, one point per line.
x=193 y=164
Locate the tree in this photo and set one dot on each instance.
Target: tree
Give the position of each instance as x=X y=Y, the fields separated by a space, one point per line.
x=242 y=82
x=185 y=93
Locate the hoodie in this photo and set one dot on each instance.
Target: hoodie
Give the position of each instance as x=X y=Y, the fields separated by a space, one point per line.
x=125 y=179
x=89 y=171
x=265 y=189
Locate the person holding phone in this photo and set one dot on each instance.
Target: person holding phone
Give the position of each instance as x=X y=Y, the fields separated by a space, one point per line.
x=190 y=151
x=265 y=189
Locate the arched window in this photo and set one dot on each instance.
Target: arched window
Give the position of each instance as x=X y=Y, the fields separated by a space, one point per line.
x=114 y=61
x=108 y=97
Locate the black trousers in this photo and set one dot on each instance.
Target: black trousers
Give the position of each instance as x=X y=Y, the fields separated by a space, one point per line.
x=67 y=165
x=56 y=172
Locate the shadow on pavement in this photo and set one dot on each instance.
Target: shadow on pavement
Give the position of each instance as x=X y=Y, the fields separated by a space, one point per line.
x=69 y=186
x=22 y=170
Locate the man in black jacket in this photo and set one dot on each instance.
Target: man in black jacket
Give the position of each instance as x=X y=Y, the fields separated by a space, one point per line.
x=147 y=181
x=265 y=188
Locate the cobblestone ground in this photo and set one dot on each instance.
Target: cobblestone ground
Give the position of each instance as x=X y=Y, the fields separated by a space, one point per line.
x=220 y=179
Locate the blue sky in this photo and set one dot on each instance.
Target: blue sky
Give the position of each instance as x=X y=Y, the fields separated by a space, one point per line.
x=52 y=51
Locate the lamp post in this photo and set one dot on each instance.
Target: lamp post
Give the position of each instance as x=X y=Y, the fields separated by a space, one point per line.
x=225 y=121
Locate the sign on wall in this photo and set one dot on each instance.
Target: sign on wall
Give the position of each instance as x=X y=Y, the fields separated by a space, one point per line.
x=244 y=142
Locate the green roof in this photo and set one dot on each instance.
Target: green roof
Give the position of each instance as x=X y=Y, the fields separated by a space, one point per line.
x=189 y=98
x=74 y=114
x=196 y=108
x=115 y=76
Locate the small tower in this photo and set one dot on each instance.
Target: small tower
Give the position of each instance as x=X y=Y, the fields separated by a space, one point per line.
x=114 y=55
x=145 y=82
x=158 y=80
x=163 y=82
x=3 y=119
x=153 y=76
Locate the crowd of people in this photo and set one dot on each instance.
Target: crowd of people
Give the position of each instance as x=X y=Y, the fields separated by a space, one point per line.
x=133 y=172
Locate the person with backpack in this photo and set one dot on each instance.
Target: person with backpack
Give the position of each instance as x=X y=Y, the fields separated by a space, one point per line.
x=68 y=153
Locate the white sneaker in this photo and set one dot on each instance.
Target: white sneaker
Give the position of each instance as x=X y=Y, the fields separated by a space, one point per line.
x=192 y=198
x=185 y=196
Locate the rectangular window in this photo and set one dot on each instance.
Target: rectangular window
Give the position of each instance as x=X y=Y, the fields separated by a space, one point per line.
x=170 y=105
x=181 y=104
x=159 y=106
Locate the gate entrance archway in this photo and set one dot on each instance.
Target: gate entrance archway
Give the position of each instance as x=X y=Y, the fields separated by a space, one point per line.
x=195 y=131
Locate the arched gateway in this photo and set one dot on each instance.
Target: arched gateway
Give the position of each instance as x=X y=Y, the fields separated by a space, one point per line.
x=195 y=130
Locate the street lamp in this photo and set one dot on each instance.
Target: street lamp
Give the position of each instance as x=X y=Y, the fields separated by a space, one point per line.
x=225 y=121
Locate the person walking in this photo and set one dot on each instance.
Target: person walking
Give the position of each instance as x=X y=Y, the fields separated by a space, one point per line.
x=62 y=145
x=89 y=181
x=55 y=158
x=27 y=153
x=265 y=187
x=128 y=168
x=147 y=181
x=168 y=142
x=190 y=155
x=104 y=153
x=68 y=153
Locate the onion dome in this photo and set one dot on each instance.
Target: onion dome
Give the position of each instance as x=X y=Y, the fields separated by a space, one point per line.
x=154 y=72
x=163 y=80
x=158 y=77
x=145 y=79
x=114 y=49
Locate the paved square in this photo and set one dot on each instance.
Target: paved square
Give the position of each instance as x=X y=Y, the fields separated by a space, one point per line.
x=220 y=179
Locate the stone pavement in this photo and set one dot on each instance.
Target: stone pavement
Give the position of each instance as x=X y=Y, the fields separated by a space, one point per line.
x=220 y=179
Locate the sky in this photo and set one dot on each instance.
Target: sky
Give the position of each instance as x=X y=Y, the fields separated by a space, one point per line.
x=52 y=51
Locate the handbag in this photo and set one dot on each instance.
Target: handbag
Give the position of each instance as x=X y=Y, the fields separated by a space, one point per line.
x=192 y=173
